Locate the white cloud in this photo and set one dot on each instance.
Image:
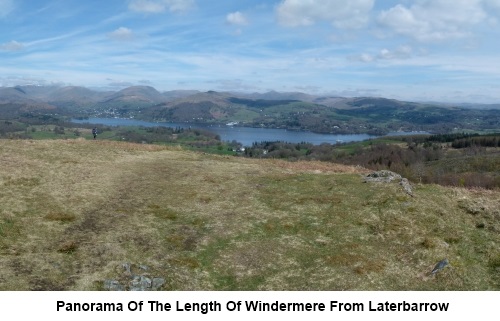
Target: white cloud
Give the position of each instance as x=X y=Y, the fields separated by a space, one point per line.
x=493 y=4
x=402 y=52
x=147 y=6
x=342 y=14
x=6 y=6
x=120 y=84
x=179 y=5
x=159 y=6
x=493 y=8
x=122 y=34
x=361 y=58
x=12 y=46
x=236 y=18
x=434 y=20
x=11 y=81
x=232 y=85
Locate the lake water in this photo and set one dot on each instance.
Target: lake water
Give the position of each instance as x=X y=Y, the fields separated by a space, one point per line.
x=244 y=135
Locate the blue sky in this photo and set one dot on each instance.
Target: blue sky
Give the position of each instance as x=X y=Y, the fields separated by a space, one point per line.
x=423 y=50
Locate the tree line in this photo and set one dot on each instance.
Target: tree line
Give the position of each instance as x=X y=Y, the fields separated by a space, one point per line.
x=466 y=160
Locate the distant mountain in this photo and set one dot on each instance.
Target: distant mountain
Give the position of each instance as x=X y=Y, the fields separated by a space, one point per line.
x=290 y=110
x=219 y=107
x=13 y=95
x=274 y=95
x=376 y=102
x=142 y=94
x=200 y=106
x=330 y=101
x=218 y=98
x=479 y=106
x=37 y=92
x=71 y=97
x=16 y=103
x=65 y=97
x=75 y=93
x=82 y=96
x=177 y=94
x=18 y=95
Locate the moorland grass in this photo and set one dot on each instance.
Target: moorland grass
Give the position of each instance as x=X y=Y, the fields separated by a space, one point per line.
x=73 y=211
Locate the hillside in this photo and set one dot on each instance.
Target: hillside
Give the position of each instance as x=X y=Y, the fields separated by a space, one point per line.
x=18 y=96
x=292 y=111
x=95 y=215
x=144 y=94
x=77 y=96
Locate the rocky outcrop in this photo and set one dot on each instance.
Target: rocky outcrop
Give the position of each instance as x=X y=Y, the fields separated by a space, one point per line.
x=382 y=176
x=385 y=176
x=134 y=278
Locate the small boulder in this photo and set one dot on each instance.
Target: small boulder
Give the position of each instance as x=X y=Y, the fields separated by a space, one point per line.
x=157 y=283
x=140 y=283
x=385 y=176
x=113 y=285
x=406 y=186
x=440 y=265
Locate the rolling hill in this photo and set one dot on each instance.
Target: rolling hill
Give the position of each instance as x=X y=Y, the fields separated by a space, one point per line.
x=144 y=94
x=293 y=111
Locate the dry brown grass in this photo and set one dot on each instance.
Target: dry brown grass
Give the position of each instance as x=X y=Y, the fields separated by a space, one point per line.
x=316 y=167
x=72 y=212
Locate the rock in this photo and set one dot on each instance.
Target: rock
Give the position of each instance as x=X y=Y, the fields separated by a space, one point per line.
x=157 y=283
x=439 y=266
x=406 y=186
x=113 y=285
x=140 y=283
x=134 y=278
x=385 y=176
x=127 y=268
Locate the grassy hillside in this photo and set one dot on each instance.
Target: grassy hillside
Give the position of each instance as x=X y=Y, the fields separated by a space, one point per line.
x=73 y=212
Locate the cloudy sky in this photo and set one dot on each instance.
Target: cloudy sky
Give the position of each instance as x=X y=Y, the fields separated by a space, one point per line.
x=423 y=50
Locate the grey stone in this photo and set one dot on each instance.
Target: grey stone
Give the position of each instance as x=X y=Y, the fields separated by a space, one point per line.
x=137 y=279
x=140 y=283
x=439 y=266
x=385 y=176
x=157 y=283
x=406 y=186
x=113 y=285
x=127 y=267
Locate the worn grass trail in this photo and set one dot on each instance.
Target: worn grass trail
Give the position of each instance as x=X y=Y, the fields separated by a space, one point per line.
x=72 y=212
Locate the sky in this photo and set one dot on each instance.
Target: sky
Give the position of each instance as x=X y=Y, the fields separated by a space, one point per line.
x=415 y=50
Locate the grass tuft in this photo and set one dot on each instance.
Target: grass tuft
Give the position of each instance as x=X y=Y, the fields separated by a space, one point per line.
x=60 y=217
x=68 y=247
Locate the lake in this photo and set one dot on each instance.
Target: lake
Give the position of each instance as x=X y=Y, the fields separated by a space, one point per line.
x=245 y=135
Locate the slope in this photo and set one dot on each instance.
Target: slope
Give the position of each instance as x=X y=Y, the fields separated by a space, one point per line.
x=77 y=215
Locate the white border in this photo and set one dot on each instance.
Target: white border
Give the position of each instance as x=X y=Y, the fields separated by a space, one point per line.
x=43 y=305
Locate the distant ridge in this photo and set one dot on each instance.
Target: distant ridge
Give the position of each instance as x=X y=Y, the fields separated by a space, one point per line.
x=83 y=96
x=137 y=94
